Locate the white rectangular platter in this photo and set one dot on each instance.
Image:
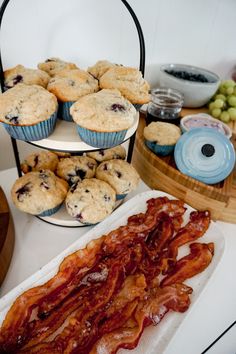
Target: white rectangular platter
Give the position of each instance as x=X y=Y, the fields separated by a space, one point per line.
x=154 y=337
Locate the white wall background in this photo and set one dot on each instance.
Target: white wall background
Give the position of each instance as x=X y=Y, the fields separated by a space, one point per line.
x=197 y=32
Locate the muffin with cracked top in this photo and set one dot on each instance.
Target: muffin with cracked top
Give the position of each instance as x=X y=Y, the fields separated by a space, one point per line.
x=129 y=82
x=100 y=68
x=28 y=112
x=68 y=86
x=39 y=193
x=103 y=118
x=90 y=201
x=76 y=168
x=53 y=66
x=120 y=174
x=117 y=152
x=20 y=74
x=40 y=160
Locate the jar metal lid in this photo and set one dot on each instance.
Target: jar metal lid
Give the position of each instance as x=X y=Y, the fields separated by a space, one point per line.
x=205 y=154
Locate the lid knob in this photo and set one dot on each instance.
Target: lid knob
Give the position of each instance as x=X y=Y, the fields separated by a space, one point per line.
x=208 y=150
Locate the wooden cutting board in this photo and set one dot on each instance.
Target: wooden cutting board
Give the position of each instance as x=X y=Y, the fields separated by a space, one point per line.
x=7 y=236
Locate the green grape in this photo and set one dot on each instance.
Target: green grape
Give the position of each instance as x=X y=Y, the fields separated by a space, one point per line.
x=216 y=112
x=228 y=83
x=225 y=117
x=222 y=90
x=232 y=113
x=218 y=103
x=230 y=90
x=211 y=106
x=220 y=97
x=232 y=100
x=235 y=89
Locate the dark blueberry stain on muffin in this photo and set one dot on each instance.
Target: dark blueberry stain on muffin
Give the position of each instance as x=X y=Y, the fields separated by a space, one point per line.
x=107 y=198
x=79 y=217
x=17 y=79
x=86 y=191
x=42 y=174
x=36 y=160
x=116 y=107
x=101 y=152
x=12 y=119
x=90 y=165
x=23 y=191
x=118 y=174
x=44 y=185
x=80 y=173
x=49 y=60
x=71 y=82
x=105 y=167
x=73 y=187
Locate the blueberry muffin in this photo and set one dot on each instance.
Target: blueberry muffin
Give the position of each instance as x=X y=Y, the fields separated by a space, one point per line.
x=53 y=66
x=161 y=137
x=39 y=193
x=120 y=175
x=90 y=201
x=103 y=118
x=20 y=74
x=100 y=68
x=129 y=82
x=41 y=160
x=28 y=112
x=76 y=168
x=68 y=86
x=117 y=152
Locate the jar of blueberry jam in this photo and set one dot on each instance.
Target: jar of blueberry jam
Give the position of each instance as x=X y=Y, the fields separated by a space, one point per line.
x=165 y=106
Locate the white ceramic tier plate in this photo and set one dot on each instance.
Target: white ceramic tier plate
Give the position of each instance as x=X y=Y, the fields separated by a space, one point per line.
x=155 y=339
x=62 y=218
x=65 y=137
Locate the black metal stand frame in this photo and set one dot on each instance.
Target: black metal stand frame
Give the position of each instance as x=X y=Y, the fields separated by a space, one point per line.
x=141 y=68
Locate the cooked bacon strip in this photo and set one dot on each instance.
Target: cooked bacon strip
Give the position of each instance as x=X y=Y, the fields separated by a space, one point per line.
x=195 y=262
x=149 y=311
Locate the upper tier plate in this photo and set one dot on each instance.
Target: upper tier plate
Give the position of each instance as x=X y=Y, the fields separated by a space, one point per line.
x=65 y=137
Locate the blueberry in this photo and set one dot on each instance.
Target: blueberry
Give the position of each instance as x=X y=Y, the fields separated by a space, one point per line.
x=79 y=216
x=12 y=119
x=86 y=191
x=107 y=198
x=118 y=174
x=36 y=160
x=80 y=173
x=116 y=107
x=71 y=82
x=105 y=167
x=17 y=79
x=23 y=191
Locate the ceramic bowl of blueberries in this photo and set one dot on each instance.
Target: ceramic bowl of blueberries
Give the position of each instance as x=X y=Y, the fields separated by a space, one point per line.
x=197 y=85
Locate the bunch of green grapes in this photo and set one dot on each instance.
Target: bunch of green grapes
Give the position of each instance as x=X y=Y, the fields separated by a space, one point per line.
x=223 y=103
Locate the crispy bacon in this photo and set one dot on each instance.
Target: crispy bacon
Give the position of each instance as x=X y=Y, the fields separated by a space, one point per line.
x=109 y=291
x=195 y=262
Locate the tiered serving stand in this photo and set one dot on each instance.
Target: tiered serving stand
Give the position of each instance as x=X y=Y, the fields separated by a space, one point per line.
x=65 y=137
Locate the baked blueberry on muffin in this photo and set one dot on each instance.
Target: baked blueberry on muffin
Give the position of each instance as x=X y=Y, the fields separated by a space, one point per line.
x=39 y=193
x=120 y=175
x=41 y=160
x=103 y=118
x=100 y=68
x=161 y=137
x=90 y=201
x=76 y=168
x=128 y=81
x=20 y=74
x=28 y=112
x=68 y=86
x=117 y=152
x=53 y=66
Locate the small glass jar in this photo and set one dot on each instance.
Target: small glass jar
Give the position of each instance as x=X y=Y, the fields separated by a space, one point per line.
x=165 y=106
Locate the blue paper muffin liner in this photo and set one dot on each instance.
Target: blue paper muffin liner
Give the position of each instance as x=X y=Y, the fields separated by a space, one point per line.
x=137 y=106
x=32 y=132
x=121 y=196
x=162 y=150
x=64 y=111
x=51 y=211
x=100 y=139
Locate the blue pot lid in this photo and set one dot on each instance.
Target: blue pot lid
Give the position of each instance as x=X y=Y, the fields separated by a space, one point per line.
x=205 y=154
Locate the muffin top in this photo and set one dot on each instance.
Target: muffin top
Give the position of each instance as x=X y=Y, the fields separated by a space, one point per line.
x=100 y=68
x=119 y=174
x=37 y=192
x=26 y=105
x=162 y=133
x=90 y=201
x=117 y=152
x=128 y=81
x=76 y=168
x=41 y=160
x=70 y=85
x=53 y=66
x=104 y=111
x=20 y=74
